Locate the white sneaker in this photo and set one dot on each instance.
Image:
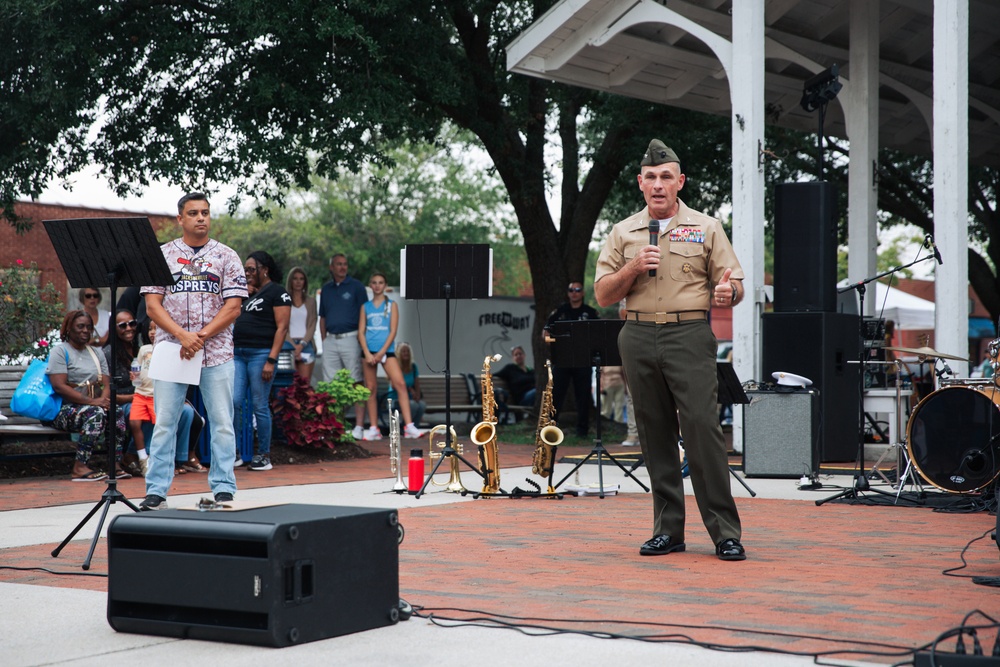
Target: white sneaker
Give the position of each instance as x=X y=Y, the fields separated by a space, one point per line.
x=372 y=433
x=411 y=431
x=630 y=443
x=358 y=433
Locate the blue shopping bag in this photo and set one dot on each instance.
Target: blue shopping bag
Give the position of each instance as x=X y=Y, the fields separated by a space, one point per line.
x=34 y=396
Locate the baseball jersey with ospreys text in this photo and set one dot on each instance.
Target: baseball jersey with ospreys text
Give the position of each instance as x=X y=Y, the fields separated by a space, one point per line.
x=203 y=280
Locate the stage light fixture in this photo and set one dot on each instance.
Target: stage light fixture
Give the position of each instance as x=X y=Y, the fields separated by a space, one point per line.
x=821 y=89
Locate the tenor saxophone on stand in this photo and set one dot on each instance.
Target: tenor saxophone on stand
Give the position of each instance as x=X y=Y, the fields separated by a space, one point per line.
x=548 y=436
x=484 y=434
x=395 y=451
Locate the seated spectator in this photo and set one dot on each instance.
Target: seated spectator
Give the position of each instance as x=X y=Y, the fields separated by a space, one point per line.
x=519 y=378
x=134 y=303
x=80 y=376
x=411 y=376
x=126 y=331
x=90 y=299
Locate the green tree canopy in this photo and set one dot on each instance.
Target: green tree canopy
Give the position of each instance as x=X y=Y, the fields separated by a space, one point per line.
x=423 y=193
x=264 y=95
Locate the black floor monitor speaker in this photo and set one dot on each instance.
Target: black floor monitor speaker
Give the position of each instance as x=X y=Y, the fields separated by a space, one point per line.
x=805 y=247
x=781 y=434
x=270 y=576
x=824 y=348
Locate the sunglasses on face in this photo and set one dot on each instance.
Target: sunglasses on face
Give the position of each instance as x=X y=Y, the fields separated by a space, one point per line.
x=575 y=289
x=91 y=296
x=250 y=269
x=131 y=324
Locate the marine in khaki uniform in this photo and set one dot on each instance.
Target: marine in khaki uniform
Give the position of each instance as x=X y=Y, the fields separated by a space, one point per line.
x=668 y=349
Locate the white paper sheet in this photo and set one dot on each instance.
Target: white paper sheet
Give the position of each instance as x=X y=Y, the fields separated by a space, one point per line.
x=167 y=364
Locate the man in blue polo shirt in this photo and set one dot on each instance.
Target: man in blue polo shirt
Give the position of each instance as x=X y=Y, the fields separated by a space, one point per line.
x=340 y=304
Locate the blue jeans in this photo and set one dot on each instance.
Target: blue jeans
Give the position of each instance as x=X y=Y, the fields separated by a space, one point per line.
x=249 y=363
x=217 y=393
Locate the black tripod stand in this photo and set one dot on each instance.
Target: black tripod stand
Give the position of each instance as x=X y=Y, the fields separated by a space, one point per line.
x=442 y=271
x=107 y=252
x=861 y=483
x=590 y=343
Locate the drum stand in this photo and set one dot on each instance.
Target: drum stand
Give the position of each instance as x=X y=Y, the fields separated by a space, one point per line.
x=903 y=461
x=899 y=442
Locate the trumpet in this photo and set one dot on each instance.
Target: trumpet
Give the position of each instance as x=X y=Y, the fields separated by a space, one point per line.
x=454 y=483
x=395 y=451
x=484 y=434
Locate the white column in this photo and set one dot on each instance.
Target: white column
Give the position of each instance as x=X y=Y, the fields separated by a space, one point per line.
x=951 y=178
x=862 y=131
x=746 y=85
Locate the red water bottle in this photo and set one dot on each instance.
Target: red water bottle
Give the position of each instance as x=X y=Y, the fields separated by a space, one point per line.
x=416 y=466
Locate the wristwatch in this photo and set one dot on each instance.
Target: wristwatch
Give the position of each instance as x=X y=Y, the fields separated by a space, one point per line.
x=735 y=293
x=272 y=360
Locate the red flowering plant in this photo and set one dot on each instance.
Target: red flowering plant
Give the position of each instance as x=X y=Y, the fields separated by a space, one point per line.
x=31 y=314
x=315 y=417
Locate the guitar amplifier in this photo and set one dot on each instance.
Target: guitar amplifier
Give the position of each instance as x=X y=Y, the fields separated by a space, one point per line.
x=271 y=576
x=781 y=433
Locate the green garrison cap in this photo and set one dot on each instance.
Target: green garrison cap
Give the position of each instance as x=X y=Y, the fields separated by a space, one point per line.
x=658 y=153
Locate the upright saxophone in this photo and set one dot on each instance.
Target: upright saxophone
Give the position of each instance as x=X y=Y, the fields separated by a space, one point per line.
x=484 y=434
x=547 y=434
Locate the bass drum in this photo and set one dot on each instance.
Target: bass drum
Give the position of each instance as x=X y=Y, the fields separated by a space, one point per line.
x=953 y=437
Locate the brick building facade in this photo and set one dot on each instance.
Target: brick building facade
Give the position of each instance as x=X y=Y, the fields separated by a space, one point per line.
x=35 y=246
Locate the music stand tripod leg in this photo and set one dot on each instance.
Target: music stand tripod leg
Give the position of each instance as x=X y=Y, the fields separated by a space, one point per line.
x=599 y=449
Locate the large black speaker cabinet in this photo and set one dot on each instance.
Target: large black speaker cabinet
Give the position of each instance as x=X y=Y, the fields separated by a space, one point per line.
x=271 y=576
x=805 y=247
x=781 y=433
x=824 y=348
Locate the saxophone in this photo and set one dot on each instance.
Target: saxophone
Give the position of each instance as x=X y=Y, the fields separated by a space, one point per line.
x=484 y=434
x=547 y=434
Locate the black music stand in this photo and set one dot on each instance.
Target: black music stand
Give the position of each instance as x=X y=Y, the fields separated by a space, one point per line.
x=107 y=252
x=582 y=343
x=730 y=391
x=446 y=271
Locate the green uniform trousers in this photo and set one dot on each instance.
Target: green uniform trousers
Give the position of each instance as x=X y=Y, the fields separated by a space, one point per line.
x=672 y=378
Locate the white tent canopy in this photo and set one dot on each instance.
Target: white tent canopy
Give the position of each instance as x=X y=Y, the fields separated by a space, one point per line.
x=907 y=311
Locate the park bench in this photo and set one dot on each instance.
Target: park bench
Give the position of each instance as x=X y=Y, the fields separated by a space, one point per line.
x=20 y=429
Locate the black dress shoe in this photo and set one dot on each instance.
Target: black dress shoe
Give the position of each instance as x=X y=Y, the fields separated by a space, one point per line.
x=730 y=550
x=660 y=545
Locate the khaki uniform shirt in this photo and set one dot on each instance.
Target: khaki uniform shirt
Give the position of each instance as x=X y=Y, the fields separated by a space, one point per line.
x=695 y=254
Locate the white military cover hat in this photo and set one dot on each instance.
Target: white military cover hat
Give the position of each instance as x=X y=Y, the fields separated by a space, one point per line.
x=786 y=379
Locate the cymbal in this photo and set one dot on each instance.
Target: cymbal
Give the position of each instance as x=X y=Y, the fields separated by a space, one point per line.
x=926 y=352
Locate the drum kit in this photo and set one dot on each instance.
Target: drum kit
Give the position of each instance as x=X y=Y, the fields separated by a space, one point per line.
x=953 y=434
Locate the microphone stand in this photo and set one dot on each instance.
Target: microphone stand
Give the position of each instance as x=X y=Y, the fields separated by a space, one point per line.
x=860 y=477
